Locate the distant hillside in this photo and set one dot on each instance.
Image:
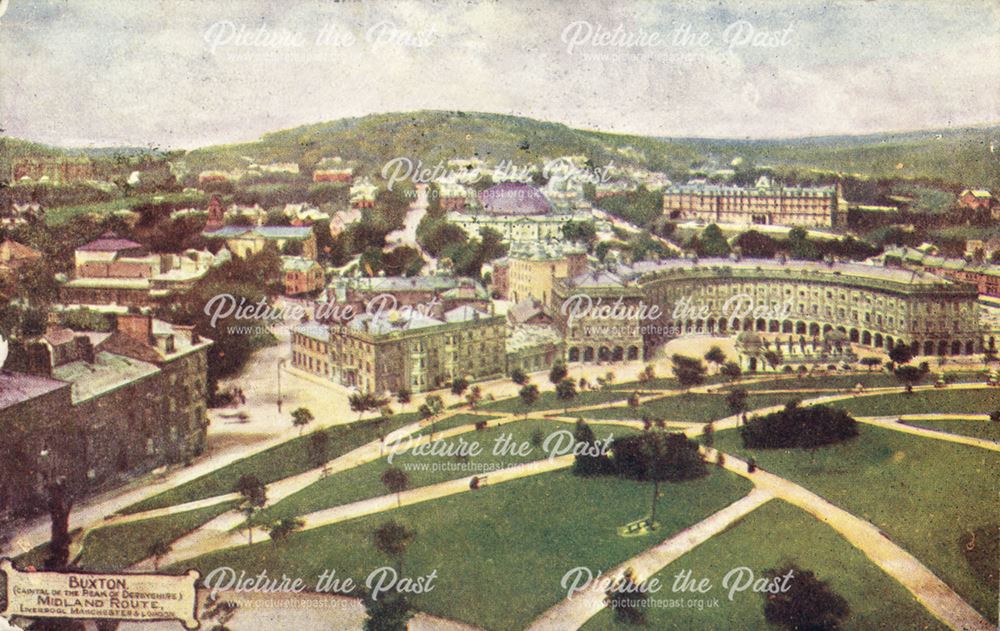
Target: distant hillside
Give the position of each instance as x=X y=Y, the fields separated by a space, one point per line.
x=431 y=136
x=953 y=156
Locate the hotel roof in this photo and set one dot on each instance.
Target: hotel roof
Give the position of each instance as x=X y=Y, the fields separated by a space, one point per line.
x=266 y=232
x=394 y=321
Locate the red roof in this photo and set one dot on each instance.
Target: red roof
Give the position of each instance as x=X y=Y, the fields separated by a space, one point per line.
x=109 y=243
x=12 y=250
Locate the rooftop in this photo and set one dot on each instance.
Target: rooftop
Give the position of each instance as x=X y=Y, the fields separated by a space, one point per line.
x=313 y=330
x=17 y=387
x=547 y=250
x=12 y=250
x=109 y=242
x=380 y=324
x=514 y=198
x=525 y=337
x=108 y=372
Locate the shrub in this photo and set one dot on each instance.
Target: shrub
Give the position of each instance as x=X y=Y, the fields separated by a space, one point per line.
x=808 y=427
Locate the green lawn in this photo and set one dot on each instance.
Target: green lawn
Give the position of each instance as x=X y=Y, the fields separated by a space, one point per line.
x=279 y=462
x=455 y=421
x=975 y=429
x=115 y=548
x=877 y=601
x=364 y=481
x=923 y=402
x=695 y=407
x=547 y=400
x=500 y=552
x=924 y=493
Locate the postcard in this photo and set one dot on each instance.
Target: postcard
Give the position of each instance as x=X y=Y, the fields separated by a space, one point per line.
x=499 y=315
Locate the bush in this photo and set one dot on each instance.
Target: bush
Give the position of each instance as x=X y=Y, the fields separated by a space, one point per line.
x=795 y=426
x=681 y=459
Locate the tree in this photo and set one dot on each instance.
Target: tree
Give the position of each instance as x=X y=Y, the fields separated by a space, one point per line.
x=558 y=373
x=803 y=427
x=708 y=435
x=474 y=396
x=633 y=401
x=518 y=376
x=625 y=600
x=807 y=603
x=395 y=481
x=587 y=462
x=657 y=456
x=431 y=407
x=302 y=417
x=459 y=385
x=384 y=414
x=566 y=392
x=689 y=371
x=392 y=539
x=715 y=356
x=910 y=376
x=731 y=371
x=389 y=612
x=901 y=354
x=282 y=529
x=773 y=358
x=648 y=374
x=404 y=395
x=60 y=504
x=157 y=550
x=360 y=402
x=528 y=395
x=871 y=362
x=712 y=242
x=253 y=497
x=221 y=611
x=736 y=400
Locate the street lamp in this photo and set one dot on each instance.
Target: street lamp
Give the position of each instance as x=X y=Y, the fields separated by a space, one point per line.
x=281 y=363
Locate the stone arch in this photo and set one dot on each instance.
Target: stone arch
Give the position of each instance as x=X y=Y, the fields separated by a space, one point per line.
x=866 y=338
x=773 y=326
x=722 y=325
x=574 y=354
x=956 y=347
x=748 y=324
x=761 y=324
x=633 y=353
x=588 y=354
x=617 y=354
x=710 y=325
x=813 y=329
x=699 y=325
x=736 y=324
x=879 y=341
x=603 y=354
x=854 y=336
x=970 y=347
x=787 y=326
x=928 y=347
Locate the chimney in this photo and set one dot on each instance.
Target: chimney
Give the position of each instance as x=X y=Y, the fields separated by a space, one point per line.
x=52 y=323
x=30 y=357
x=136 y=326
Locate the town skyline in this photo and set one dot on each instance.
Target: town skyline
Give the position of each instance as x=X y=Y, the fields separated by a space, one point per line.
x=655 y=71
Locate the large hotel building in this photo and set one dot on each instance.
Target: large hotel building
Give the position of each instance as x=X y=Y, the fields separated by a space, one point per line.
x=765 y=203
x=404 y=349
x=879 y=307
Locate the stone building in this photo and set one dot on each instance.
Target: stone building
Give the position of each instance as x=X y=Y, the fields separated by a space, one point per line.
x=387 y=352
x=765 y=203
x=533 y=267
x=103 y=407
x=874 y=306
x=599 y=316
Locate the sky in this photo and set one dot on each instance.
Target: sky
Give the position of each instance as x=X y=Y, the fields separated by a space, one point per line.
x=187 y=73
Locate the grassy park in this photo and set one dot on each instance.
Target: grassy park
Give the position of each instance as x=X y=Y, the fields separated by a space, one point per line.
x=875 y=599
x=500 y=552
x=923 y=493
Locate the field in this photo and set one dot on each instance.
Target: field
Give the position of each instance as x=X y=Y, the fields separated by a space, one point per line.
x=975 y=429
x=364 y=481
x=924 y=493
x=875 y=599
x=693 y=408
x=284 y=460
x=500 y=552
x=923 y=402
